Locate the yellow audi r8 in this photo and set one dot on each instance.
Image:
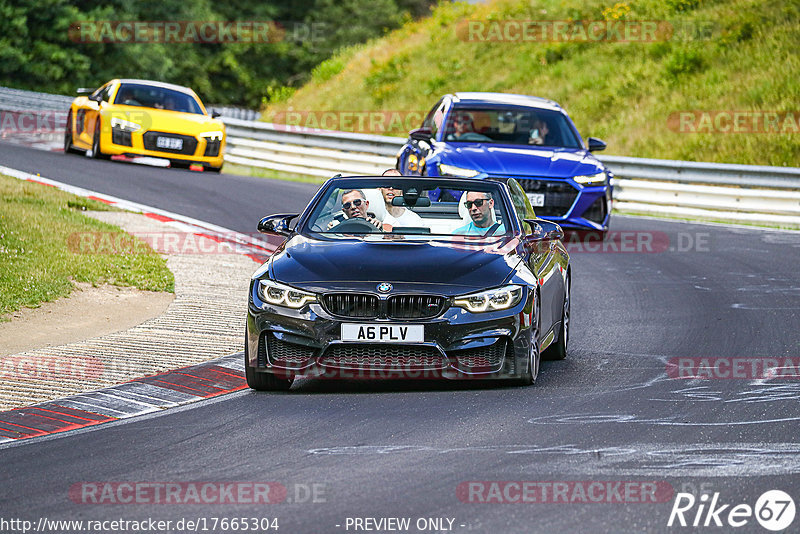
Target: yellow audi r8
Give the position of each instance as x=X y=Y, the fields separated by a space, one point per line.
x=145 y=118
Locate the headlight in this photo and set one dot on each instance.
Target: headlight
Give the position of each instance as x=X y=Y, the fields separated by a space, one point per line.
x=501 y=298
x=212 y=135
x=124 y=125
x=461 y=172
x=592 y=179
x=283 y=295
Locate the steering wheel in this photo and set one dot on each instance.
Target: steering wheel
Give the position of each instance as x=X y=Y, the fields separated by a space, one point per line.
x=355 y=225
x=473 y=136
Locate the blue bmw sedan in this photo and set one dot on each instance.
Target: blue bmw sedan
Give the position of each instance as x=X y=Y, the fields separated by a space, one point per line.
x=530 y=139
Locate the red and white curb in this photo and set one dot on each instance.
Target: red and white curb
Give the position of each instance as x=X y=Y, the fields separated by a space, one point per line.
x=137 y=397
x=150 y=393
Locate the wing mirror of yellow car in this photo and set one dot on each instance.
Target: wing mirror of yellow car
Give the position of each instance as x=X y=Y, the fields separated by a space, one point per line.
x=96 y=98
x=215 y=114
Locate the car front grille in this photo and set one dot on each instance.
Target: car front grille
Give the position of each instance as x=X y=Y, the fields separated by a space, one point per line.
x=355 y=305
x=415 y=306
x=121 y=137
x=368 y=306
x=282 y=353
x=386 y=356
x=189 y=142
x=559 y=196
x=481 y=358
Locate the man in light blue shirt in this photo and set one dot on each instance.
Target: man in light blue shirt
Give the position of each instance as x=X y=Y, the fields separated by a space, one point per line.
x=480 y=210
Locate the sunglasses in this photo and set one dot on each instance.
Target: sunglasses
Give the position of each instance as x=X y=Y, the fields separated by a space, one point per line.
x=357 y=202
x=478 y=202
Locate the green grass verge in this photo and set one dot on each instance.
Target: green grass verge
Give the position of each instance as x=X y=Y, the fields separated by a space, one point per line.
x=725 y=55
x=36 y=223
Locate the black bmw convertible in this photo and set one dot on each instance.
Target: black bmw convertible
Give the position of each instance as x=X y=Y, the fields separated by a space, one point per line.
x=375 y=279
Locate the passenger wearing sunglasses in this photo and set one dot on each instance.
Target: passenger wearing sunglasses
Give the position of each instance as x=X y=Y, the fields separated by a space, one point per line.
x=480 y=211
x=355 y=204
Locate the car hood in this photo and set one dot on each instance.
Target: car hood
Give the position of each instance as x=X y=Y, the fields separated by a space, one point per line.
x=167 y=121
x=454 y=266
x=520 y=160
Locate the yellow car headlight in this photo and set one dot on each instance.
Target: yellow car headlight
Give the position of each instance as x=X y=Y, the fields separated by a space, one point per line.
x=460 y=172
x=283 y=295
x=126 y=126
x=501 y=298
x=592 y=179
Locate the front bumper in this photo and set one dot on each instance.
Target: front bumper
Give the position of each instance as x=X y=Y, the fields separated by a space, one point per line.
x=570 y=204
x=457 y=344
x=142 y=144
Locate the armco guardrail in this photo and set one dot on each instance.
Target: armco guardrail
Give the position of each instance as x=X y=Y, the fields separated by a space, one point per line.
x=725 y=192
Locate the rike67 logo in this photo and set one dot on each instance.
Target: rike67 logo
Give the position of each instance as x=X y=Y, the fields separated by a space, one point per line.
x=774 y=510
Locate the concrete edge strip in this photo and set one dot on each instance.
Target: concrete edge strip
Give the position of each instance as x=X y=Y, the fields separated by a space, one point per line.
x=146 y=394
x=137 y=397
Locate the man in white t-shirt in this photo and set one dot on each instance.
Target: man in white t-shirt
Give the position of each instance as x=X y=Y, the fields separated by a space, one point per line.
x=397 y=215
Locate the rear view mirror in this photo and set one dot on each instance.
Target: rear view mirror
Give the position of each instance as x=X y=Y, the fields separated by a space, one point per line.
x=277 y=224
x=595 y=144
x=421 y=134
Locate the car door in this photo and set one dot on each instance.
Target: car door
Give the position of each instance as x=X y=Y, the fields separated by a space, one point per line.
x=544 y=261
x=89 y=114
x=411 y=160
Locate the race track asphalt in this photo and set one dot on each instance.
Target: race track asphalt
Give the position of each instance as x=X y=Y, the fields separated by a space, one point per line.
x=609 y=413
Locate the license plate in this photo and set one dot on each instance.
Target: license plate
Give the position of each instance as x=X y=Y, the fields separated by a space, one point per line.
x=537 y=199
x=173 y=143
x=386 y=333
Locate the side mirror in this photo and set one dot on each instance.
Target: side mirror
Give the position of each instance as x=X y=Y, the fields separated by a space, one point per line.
x=543 y=230
x=215 y=114
x=595 y=144
x=96 y=98
x=277 y=224
x=421 y=134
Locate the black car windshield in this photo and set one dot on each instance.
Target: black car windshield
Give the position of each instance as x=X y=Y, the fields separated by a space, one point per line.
x=150 y=96
x=410 y=208
x=513 y=125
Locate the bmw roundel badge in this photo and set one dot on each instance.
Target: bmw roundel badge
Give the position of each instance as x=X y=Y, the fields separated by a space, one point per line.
x=384 y=287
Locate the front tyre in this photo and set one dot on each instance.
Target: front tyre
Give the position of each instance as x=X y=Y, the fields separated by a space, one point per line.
x=97 y=151
x=264 y=381
x=68 y=148
x=534 y=358
x=559 y=350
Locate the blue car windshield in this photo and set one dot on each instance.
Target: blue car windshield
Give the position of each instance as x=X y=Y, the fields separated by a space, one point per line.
x=512 y=125
x=150 y=96
x=411 y=208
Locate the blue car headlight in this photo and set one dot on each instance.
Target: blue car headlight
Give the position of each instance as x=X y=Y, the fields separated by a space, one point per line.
x=282 y=295
x=501 y=298
x=460 y=172
x=591 y=179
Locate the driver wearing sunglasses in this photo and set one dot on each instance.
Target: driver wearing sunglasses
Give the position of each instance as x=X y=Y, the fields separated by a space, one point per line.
x=355 y=204
x=480 y=211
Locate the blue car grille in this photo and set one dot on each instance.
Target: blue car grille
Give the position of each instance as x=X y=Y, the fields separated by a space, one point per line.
x=558 y=196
